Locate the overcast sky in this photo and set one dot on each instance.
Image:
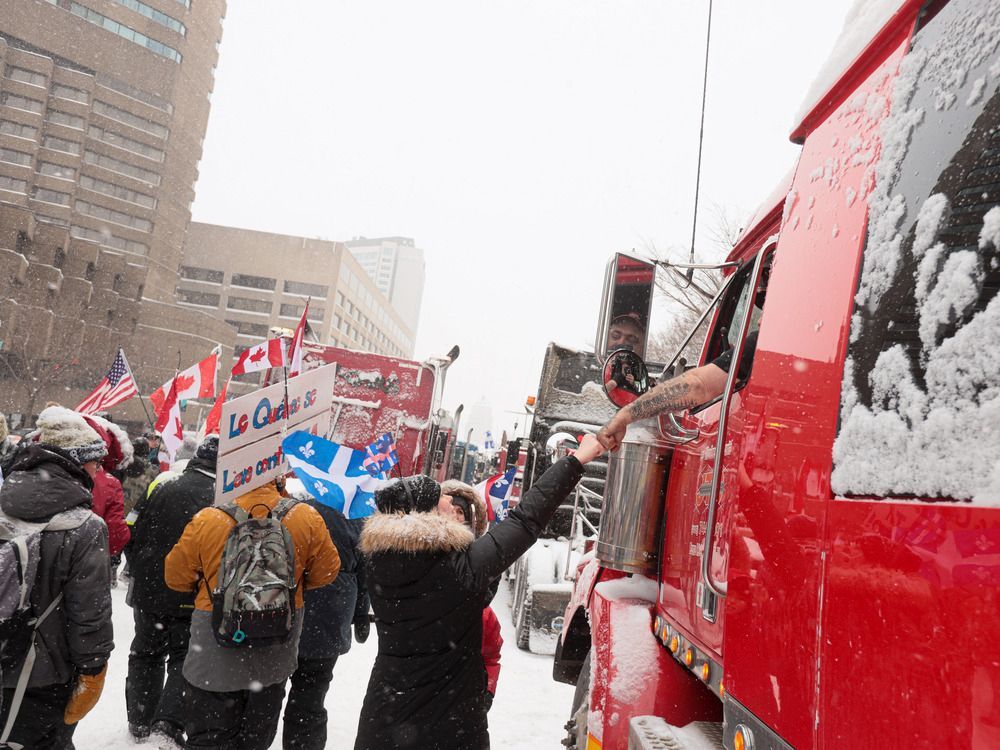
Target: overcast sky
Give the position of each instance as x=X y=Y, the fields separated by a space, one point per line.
x=519 y=142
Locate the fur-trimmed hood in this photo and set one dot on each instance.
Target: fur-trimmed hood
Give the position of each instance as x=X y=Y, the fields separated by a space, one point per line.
x=413 y=533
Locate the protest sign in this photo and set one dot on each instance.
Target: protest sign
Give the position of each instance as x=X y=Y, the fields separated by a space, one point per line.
x=247 y=468
x=260 y=414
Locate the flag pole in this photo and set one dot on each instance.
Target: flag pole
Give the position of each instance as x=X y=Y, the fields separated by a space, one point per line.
x=131 y=372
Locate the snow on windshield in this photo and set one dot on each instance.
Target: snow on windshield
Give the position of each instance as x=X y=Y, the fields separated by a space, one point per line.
x=920 y=410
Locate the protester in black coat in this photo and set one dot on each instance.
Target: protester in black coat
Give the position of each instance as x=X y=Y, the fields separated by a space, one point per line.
x=163 y=616
x=326 y=634
x=429 y=582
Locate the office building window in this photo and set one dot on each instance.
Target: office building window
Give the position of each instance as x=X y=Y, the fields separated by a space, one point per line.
x=306 y=290
x=68 y=92
x=340 y=299
x=128 y=144
x=116 y=217
x=50 y=219
x=295 y=311
x=62 y=118
x=11 y=156
x=156 y=15
x=115 y=165
x=205 y=299
x=61 y=144
x=117 y=191
x=25 y=76
x=250 y=305
x=127 y=118
x=245 y=328
x=126 y=32
x=13 y=185
x=132 y=92
x=17 y=129
x=109 y=240
x=50 y=196
x=22 y=102
x=253 y=282
x=202 y=274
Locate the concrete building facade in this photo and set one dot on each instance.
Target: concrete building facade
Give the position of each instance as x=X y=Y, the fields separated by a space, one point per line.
x=396 y=266
x=255 y=281
x=103 y=109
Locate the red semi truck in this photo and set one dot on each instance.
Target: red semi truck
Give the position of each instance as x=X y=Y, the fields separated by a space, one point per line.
x=812 y=559
x=375 y=394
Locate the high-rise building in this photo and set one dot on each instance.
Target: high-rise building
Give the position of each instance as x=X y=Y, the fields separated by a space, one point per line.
x=103 y=109
x=257 y=281
x=396 y=266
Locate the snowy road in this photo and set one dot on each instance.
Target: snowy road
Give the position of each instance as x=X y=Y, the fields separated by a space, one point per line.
x=528 y=713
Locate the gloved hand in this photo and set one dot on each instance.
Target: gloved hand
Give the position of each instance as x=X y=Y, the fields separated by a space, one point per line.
x=85 y=695
x=362 y=627
x=489 y=700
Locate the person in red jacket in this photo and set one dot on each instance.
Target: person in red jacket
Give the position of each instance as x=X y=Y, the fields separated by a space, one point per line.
x=491 y=653
x=109 y=500
x=466 y=504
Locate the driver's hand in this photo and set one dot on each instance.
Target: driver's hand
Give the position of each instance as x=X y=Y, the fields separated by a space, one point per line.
x=612 y=434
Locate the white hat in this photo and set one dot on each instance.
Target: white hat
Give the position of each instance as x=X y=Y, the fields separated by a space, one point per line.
x=61 y=428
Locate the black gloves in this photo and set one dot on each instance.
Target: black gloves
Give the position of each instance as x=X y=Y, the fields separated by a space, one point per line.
x=362 y=627
x=489 y=700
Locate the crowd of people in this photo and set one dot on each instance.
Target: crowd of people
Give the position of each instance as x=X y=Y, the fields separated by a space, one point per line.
x=235 y=604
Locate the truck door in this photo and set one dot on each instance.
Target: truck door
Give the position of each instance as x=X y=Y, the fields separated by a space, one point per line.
x=684 y=598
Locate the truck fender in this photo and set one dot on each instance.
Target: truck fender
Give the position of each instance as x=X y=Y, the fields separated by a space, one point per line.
x=632 y=673
x=574 y=640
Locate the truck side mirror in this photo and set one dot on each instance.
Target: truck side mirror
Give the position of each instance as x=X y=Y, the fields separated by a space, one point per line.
x=625 y=377
x=559 y=445
x=625 y=306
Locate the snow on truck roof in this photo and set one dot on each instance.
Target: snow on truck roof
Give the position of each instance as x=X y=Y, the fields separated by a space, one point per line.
x=865 y=27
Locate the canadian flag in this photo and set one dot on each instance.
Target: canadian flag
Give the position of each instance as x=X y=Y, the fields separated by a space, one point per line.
x=197 y=381
x=211 y=426
x=264 y=356
x=295 y=348
x=168 y=423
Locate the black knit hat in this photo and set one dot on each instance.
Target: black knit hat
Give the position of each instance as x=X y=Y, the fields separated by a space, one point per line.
x=416 y=494
x=209 y=448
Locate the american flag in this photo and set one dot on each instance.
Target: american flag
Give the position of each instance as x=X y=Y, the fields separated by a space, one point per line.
x=381 y=456
x=118 y=385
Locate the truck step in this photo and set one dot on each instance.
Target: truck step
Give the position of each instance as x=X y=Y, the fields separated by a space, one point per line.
x=653 y=733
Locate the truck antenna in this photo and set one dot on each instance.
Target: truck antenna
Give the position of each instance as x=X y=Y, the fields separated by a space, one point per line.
x=701 y=141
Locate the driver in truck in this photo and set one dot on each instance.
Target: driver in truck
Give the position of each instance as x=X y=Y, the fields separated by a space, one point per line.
x=692 y=388
x=627 y=332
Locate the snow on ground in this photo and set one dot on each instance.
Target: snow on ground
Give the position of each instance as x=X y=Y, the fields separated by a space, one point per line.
x=528 y=713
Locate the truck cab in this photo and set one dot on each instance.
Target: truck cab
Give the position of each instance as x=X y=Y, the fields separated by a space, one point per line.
x=810 y=559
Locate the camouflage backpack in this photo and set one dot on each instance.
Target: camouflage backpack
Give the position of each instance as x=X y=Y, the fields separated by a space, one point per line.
x=253 y=603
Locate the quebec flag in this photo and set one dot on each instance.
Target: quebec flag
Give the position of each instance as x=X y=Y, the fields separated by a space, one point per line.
x=333 y=474
x=498 y=490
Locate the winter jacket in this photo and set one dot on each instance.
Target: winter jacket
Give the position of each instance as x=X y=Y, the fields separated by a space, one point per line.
x=193 y=563
x=77 y=637
x=331 y=610
x=109 y=504
x=135 y=482
x=492 y=643
x=160 y=521
x=429 y=583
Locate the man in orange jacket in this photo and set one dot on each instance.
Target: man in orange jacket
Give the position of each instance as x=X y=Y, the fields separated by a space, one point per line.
x=234 y=694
